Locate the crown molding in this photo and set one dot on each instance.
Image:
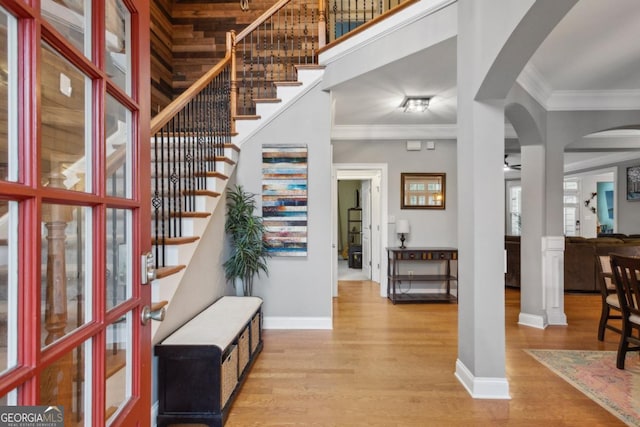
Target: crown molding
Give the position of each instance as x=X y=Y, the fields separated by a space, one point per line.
x=535 y=84
x=581 y=100
x=601 y=161
x=401 y=132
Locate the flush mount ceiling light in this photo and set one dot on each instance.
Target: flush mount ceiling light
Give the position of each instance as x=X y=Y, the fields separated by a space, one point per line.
x=415 y=104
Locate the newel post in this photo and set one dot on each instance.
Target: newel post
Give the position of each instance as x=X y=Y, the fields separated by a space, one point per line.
x=57 y=378
x=231 y=46
x=322 y=24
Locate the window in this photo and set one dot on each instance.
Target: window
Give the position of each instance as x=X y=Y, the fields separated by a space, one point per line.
x=571 y=209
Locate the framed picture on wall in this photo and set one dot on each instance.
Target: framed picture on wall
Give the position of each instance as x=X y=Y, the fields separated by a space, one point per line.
x=633 y=183
x=422 y=190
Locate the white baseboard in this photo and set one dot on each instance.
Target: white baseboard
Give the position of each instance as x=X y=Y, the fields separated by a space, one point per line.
x=274 y=322
x=482 y=388
x=532 y=320
x=557 y=317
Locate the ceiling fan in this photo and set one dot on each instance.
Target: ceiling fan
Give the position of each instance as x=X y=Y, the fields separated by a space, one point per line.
x=507 y=166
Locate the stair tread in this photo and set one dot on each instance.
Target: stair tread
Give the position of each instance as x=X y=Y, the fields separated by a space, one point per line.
x=232 y=146
x=224 y=159
x=289 y=83
x=175 y=240
x=207 y=193
x=115 y=361
x=310 y=66
x=193 y=214
x=158 y=305
x=168 y=270
x=247 y=117
x=267 y=100
x=212 y=174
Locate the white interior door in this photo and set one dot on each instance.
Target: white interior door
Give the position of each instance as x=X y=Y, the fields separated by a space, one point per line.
x=365 y=186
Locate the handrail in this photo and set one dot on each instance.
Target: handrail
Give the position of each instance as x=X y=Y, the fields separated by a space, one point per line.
x=261 y=19
x=183 y=99
x=367 y=25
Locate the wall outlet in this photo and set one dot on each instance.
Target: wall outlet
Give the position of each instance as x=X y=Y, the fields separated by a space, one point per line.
x=410 y=273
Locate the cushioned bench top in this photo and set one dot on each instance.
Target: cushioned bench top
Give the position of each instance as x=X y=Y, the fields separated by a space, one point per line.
x=218 y=324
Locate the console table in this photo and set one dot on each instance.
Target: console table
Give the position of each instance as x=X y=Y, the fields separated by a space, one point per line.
x=399 y=273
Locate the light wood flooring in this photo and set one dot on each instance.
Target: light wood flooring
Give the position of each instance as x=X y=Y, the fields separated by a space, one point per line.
x=393 y=365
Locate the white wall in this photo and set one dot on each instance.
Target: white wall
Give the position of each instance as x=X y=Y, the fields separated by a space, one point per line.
x=297 y=293
x=428 y=227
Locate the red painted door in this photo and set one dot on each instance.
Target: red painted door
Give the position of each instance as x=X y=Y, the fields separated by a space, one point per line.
x=74 y=208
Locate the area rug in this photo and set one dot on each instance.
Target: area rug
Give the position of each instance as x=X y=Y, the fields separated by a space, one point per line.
x=595 y=374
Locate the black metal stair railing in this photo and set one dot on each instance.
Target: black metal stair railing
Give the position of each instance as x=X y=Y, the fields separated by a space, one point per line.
x=344 y=16
x=269 y=50
x=184 y=152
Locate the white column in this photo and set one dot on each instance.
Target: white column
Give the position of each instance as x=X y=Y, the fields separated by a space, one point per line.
x=532 y=311
x=481 y=333
x=553 y=242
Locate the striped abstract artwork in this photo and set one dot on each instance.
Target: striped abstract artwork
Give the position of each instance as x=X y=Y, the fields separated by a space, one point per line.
x=284 y=198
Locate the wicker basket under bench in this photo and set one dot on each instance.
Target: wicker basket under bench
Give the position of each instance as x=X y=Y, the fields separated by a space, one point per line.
x=203 y=364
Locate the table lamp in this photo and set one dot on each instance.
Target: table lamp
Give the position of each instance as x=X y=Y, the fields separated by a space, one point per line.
x=402 y=228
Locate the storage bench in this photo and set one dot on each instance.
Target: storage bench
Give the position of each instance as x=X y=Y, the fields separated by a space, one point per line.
x=203 y=363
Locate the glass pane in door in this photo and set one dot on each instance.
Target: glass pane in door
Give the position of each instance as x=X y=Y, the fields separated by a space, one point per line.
x=66 y=123
x=8 y=96
x=8 y=285
x=72 y=18
x=66 y=255
x=67 y=382
x=118 y=148
x=9 y=399
x=118 y=366
x=118 y=42
x=118 y=257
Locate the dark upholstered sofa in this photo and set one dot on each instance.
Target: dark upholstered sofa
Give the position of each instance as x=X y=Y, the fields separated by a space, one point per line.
x=580 y=272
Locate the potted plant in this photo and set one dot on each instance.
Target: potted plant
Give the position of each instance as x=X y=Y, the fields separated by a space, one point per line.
x=248 y=248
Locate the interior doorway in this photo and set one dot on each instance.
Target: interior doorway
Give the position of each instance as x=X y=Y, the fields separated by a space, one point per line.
x=359 y=223
x=354 y=229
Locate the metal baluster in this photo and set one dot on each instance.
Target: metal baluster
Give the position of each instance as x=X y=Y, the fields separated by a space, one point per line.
x=292 y=50
x=314 y=28
x=227 y=117
x=194 y=141
x=341 y=17
x=170 y=171
x=298 y=36
x=305 y=31
x=271 y=22
x=211 y=128
x=279 y=59
x=174 y=176
x=250 y=92
x=243 y=86
x=264 y=60
x=335 y=20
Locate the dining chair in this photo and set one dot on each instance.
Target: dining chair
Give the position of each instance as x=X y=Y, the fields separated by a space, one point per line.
x=610 y=301
x=626 y=278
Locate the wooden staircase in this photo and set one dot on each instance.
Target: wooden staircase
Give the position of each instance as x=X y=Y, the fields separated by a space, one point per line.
x=180 y=250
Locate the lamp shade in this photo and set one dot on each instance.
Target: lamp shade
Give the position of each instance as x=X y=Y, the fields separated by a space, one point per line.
x=402 y=226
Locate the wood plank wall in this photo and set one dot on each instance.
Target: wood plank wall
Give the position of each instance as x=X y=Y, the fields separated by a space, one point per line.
x=161 y=55
x=188 y=37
